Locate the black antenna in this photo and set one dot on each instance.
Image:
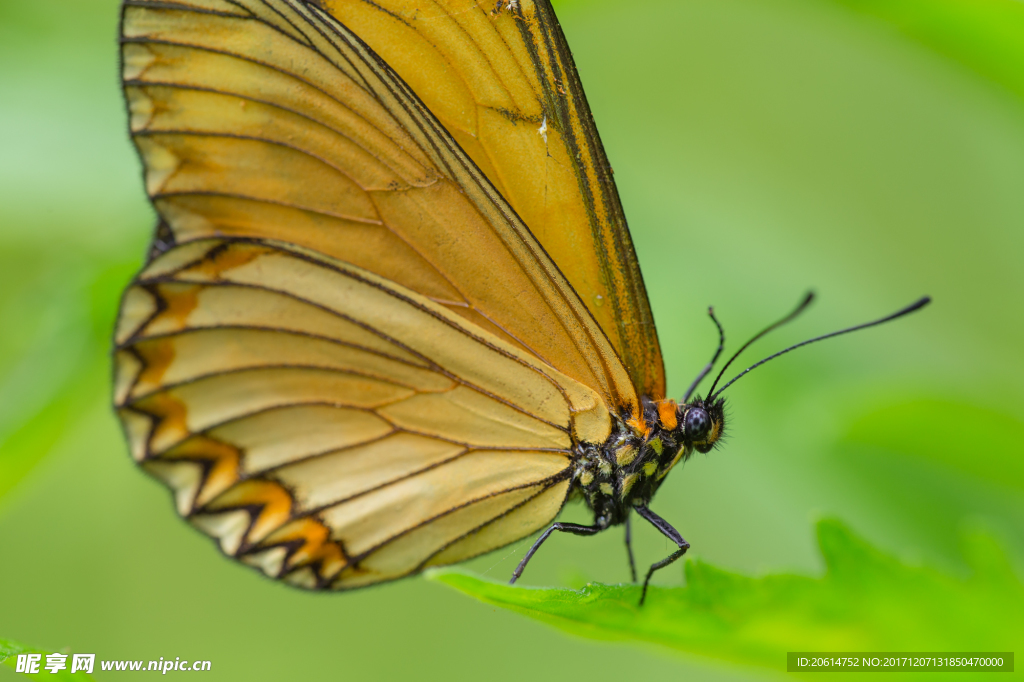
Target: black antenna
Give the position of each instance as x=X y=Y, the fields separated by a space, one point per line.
x=899 y=313
x=799 y=309
x=714 y=358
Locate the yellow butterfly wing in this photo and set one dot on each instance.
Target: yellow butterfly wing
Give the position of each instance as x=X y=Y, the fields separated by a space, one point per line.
x=258 y=119
x=349 y=357
x=501 y=79
x=334 y=428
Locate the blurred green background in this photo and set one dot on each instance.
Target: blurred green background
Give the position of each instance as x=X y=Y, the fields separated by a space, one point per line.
x=873 y=150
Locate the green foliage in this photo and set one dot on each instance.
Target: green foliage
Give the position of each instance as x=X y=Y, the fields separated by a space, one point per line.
x=865 y=601
x=52 y=372
x=9 y=657
x=966 y=437
x=984 y=35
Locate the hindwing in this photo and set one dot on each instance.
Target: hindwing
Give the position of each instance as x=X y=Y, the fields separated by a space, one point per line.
x=332 y=427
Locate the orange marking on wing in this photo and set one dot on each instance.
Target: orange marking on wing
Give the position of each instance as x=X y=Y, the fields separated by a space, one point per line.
x=317 y=546
x=180 y=300
x=171 y=415
x=274 y=501
x=667 y=414
x=222 y=260
x=157 y=356
x=224 y=459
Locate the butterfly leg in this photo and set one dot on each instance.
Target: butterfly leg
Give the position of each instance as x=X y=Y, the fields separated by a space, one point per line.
x=672 y=534
x=573 y=528
x=629 y=549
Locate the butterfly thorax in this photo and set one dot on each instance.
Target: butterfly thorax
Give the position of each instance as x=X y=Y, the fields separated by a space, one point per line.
x=627 y=469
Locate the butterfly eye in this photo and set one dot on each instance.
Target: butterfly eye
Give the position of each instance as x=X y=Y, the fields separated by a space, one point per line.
x=697 y=424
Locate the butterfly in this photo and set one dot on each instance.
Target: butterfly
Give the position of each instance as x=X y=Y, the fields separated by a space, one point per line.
x=391 y=317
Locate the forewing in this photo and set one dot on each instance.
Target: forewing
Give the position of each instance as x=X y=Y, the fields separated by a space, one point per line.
x=269 y=119
x=330 y=427
x=500 y=78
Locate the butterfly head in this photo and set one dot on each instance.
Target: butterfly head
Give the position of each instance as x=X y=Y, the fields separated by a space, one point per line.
x=701 y=423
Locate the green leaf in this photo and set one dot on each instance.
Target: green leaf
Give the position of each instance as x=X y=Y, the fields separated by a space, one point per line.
x=9 y=656
x=54 y=369
x=984 y=35
x=866 y=600
x=37 y=436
